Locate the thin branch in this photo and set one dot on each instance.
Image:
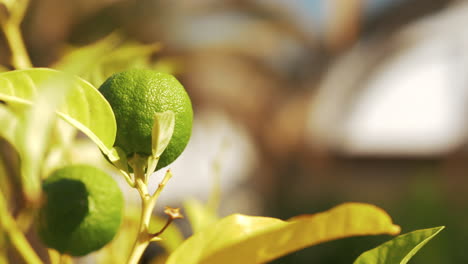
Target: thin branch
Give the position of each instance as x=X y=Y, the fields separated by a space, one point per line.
x=161 y=186
x=11 y=28
x=16 y=237
x=128 y=178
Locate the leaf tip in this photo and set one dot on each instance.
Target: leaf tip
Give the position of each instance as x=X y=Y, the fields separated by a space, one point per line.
x=395 y=230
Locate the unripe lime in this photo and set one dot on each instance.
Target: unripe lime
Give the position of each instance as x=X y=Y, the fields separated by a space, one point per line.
x=135 y=96
x=82 y=210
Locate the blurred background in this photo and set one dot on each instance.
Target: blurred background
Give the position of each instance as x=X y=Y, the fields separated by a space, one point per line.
x=299 y=104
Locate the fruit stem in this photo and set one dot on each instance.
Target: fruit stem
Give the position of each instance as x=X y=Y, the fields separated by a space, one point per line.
x=127 y=177
x=142 y=241
x=161 y=186
x=147 y=205
x=138 y=164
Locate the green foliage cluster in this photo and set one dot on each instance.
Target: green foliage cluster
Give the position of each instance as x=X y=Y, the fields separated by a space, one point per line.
x=35 y=101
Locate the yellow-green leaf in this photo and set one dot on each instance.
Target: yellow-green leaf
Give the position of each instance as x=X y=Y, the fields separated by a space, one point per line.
x=8 y=3
x=199 y=215
x=400 y=249
x=84 y=107
x=34 y=97
x=118 y=157
x=247 y=239
x=163 y=128
x=111 y=54
x=9 y=122
x=27 y=129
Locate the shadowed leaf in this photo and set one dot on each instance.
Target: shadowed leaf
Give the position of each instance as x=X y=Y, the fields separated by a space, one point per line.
x=400 y=249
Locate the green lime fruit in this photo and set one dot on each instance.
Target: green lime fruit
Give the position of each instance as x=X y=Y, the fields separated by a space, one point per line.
x=135 y=96
x=82 y=210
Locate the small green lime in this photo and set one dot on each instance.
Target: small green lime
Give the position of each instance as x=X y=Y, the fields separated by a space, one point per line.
x=82 y=212
x=135 y=96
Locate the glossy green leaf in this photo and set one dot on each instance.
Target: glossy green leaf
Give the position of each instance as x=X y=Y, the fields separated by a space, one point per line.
x=247 y=239
x=84 y=107
x=400 y=249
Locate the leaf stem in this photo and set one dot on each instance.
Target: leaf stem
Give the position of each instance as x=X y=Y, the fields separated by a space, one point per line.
x=16 y=237
x=11 y=27
x=142 y=241
x=161 y=186
x=19 y=55
x=127 y=177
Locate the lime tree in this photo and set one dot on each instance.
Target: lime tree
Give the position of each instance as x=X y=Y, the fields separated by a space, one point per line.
x=135 y=96
x=82 y=210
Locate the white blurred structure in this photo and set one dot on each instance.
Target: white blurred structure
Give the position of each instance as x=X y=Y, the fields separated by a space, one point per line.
x=402 y=96
x=215 y=139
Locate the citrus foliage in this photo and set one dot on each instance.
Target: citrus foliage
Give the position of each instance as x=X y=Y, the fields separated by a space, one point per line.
x=247 y=239
x=83 y=107
x=400 y=249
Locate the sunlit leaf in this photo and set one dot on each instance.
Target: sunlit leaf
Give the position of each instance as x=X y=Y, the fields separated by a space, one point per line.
x=111 y=55
x=400 y=249
x=246 y=239
x=199 y=215
x=161 y=134
x=8 y=3
x=163 y=128
x=84 y=107
x=9 y=122
x=35 y=97
x=5 y=187
x=27 y=130
x=118 y=157
x=60 y=145
x=167 y=65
